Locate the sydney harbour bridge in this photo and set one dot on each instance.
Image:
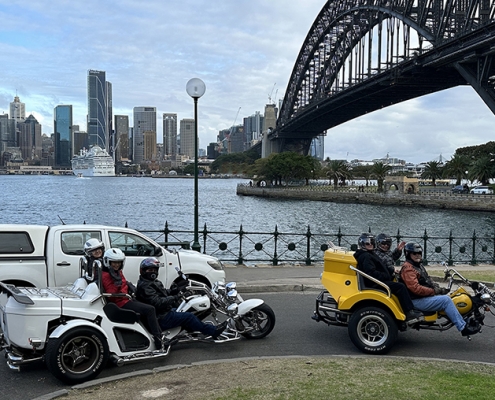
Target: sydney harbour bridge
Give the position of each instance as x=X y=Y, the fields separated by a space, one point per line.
x=363 y=55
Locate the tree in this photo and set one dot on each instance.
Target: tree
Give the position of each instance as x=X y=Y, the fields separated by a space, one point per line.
x=337 y=170
x=363 y=171
x=456 y=167
x=433 y=171
x=483 y=169
x=380 y=170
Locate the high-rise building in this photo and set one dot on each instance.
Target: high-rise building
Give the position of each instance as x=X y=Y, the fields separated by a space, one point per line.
x=317 y=147
x=144 y=120
x=7 y=132
x=62 y=126
x=170 y=134
x=149 y=139
x=17 y=110
x=99 y=109
x=29 y=139
x=121 y=137
x=253 y=127
x=187 y=137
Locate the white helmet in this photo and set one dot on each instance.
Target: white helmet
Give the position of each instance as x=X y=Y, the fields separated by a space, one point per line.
x=113 y=255
x=93 y=244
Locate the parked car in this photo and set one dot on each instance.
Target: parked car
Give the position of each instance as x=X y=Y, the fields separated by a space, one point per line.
x=482 y=190
x=460 y=189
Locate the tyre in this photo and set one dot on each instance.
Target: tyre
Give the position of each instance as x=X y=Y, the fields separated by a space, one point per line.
x=372 y=330
x=77 y=356
x=262 y=319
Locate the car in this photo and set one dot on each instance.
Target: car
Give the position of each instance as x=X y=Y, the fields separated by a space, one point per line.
x=481 y=190
x=460 y=189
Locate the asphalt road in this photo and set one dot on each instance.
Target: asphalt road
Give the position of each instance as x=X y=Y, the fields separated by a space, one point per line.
x=295 y=333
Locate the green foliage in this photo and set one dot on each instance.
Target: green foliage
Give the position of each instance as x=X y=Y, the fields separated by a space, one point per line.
x=482 y=169
x=338 y=170
x=286 y=167
x=456 y=168
x=433 y=171
x=379 y=170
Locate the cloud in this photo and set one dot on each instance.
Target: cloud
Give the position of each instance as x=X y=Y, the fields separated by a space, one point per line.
x=243 y=50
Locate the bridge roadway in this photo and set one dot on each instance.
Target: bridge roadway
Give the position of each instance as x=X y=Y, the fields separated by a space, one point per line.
x=291 y=292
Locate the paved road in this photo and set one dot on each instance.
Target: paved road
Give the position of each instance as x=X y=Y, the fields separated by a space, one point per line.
x=294 y=334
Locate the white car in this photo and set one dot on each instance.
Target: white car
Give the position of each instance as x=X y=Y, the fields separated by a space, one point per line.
x=481 y=190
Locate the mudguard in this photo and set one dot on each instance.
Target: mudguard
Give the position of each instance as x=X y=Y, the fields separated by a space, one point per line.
x=248 y=305
x=74 y=323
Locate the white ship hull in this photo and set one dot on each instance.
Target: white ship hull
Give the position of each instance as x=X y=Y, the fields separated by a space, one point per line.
x=95 y=162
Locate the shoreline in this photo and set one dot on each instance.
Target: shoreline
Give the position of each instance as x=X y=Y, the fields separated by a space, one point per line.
x=441 y=200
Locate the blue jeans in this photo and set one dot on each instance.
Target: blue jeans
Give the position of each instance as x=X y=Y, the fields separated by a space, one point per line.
x=187 y=321
x=439 y=303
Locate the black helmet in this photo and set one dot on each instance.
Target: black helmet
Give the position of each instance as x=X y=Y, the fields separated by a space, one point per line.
x=412 y=247
x=382 y=239
x=364 y=239
x=149 y=263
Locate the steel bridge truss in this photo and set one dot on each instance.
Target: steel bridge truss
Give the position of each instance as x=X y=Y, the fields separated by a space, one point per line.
x=357 y=50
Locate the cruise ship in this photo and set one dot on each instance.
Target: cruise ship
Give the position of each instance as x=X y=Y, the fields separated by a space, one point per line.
x=93 y=162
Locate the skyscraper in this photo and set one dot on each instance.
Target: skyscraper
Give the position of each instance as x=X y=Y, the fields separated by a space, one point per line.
x=99 y=109
x=144 y=120
x=62 y=126
x=17 y=110
x=121 y=137
x=29 y=138
x=187 y=137
x=170 y=134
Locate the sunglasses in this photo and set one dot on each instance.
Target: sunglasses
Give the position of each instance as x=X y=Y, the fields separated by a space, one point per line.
x=415 y=253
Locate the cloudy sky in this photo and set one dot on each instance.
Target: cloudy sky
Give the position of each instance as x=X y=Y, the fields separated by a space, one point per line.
x=244 y=50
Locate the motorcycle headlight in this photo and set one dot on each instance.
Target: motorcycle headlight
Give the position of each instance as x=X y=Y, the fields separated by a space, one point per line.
x=486 y=298
x=216 y=264
x=231 y=286
x=232 y=295
x=232 y=309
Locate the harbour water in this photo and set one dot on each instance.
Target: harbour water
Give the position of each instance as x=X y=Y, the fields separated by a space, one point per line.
x=146 y=203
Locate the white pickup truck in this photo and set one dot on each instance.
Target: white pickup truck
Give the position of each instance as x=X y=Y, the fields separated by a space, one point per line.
x=42 y=256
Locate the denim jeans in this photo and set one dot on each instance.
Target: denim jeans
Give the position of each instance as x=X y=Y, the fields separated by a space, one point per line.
x=439 y=303
x=186 y=320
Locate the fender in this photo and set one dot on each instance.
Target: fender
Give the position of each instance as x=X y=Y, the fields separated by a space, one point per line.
x=248 y=305
x=74 y=323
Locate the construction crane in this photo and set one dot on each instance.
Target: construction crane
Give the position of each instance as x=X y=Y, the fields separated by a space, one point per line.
x=270 y=94
x=232 y=129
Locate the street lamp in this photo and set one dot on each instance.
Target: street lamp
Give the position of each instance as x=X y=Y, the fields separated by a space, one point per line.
x=196 y=88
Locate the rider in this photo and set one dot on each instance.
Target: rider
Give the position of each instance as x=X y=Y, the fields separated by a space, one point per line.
x=113 y=281
x=93 y=250
x=383 y=246
x=427 y=295
x=370 y=264
x=150 y=290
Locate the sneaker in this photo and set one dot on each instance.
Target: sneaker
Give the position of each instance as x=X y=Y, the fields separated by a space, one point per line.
x=220 y=329
x=414 y=314
x=469 y=330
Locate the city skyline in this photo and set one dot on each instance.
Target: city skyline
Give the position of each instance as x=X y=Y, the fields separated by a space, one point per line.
x=234 y=47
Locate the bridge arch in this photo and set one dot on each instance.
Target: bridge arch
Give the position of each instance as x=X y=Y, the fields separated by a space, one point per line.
x=367 y=46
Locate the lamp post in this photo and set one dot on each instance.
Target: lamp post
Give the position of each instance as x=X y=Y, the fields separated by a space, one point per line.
x=196 y=88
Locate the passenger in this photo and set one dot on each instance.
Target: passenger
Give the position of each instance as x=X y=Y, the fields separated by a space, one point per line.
x=427 y=295
x=370 y=264
x=388 y=257
x=113 y=281
x=93 y=250
x=150 y=290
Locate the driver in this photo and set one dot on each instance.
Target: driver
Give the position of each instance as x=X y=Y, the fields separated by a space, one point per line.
x=427 y=295
x=370 y=264
x=150 y=290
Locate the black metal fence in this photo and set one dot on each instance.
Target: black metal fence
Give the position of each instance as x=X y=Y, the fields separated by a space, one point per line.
x=244 y=247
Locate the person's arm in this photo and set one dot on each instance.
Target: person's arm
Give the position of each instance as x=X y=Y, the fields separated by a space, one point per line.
x=157 y=299
x=410 y=278
x=108 y=285
x=368 y=267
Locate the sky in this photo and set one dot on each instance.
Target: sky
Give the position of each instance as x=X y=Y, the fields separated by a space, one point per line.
x=244 y=51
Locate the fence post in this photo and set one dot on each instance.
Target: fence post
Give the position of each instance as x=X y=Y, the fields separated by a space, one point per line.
x=166 y=231
x=205 y=235
x=451 y=241
x=493 y=258
x=339 y=237
x=308 y=247
x=275 y=239
x=399 y=237
x=240 y=260
x=425 y=240
x=473 y=258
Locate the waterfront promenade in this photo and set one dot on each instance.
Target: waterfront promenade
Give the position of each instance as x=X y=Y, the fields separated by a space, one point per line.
x=435 y=199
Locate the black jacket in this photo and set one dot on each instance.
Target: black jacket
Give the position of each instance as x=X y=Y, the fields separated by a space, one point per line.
x=370 y=264
x=153 y=292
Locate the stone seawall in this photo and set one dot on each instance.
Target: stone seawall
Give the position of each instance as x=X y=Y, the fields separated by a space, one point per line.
x=468 y=202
